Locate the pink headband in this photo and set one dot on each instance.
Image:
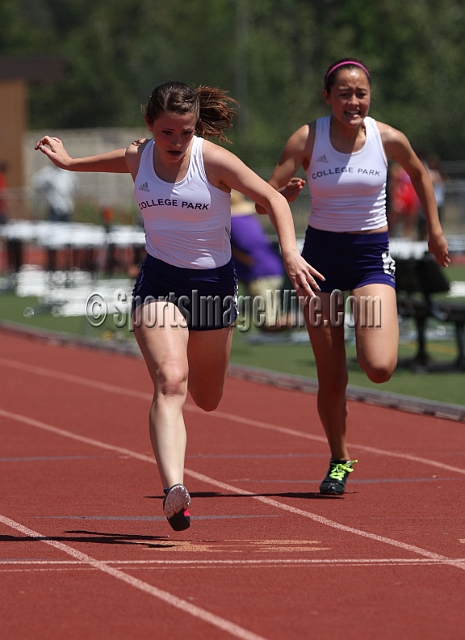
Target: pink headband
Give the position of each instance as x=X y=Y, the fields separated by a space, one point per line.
x=346 y=63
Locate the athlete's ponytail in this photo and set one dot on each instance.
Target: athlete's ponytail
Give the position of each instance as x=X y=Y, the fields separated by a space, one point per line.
x=216 y=113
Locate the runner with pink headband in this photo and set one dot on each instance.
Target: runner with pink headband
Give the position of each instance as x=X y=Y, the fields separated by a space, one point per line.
x=345 y=156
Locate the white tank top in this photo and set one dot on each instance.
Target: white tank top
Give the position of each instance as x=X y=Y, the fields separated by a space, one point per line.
x=347 y=190
x=187 y=223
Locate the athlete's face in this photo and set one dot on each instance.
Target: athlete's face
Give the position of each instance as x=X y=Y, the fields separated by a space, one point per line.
x=349 y=97
x=173 y=133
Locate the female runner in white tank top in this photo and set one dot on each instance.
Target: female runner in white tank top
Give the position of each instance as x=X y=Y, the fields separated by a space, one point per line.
x=345 y=158
x=182 y=186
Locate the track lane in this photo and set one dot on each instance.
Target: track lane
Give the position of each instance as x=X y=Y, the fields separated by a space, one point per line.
x=256 y=460
x=133 y=393
x=243 y=492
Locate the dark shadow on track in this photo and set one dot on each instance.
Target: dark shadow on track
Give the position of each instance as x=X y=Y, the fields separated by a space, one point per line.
x=95 y=537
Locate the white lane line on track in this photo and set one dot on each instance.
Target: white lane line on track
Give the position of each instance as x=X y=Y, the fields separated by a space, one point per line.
x=308 y=436
x=102 y=386
x=330 y=523
x=5 y=563
x=459 y=564
x=197 y=612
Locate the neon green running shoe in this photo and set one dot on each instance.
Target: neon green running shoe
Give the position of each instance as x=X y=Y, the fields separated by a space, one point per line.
x=336 y=478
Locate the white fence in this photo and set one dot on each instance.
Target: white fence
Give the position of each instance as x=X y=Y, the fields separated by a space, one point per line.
x=116 y=190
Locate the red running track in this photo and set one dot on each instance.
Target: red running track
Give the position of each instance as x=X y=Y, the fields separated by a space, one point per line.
x=86 y=553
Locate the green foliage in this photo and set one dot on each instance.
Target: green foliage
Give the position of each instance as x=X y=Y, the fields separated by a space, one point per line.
x=269 y=54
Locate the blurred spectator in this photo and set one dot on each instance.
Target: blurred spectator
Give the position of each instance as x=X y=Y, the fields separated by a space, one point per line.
x=57 y=186
x=257 y=264
x=3 y=193
x=432 y=164
x=403 y=205
x=108 y=216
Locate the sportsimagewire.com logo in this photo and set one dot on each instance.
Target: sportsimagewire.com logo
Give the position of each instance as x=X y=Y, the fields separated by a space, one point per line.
x=252 y=311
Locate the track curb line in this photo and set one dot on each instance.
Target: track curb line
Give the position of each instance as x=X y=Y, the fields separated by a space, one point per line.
x=255 y=374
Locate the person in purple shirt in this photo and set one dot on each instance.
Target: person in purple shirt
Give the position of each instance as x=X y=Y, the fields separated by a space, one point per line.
x=258 y=265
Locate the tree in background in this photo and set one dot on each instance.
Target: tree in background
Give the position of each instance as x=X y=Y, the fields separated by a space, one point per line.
x=270 y=54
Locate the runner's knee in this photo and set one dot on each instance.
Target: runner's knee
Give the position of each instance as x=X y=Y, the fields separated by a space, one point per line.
x=333 y=385
x=209 y=400
x=379 y=374
x=171 y=382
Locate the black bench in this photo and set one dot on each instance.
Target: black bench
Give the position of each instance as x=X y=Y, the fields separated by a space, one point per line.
x=417 y=281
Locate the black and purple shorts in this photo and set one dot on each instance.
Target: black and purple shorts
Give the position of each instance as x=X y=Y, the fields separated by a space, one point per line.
x=349 y=260
x=207 y=298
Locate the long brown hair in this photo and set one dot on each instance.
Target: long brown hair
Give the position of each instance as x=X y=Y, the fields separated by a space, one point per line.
x=214 y=109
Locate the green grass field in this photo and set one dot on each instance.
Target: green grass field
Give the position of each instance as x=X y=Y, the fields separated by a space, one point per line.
x=280 y=355
x=444 y=386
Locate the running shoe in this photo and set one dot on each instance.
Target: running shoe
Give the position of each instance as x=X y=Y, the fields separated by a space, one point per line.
x=336 y=478
x=175 y=507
